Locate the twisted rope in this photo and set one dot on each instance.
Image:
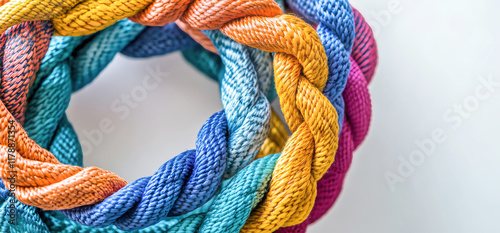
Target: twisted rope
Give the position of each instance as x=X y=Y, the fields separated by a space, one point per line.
x=357 y=118
x=225 y=213
x=356 y=121
x=306 y=87
x=77 y=86
x=260 y=69
x=363 y=42
x=19 y=68
x=215 y=220
x=364 y=52
x=251 y=115
x=324 y=132
x=83 y=17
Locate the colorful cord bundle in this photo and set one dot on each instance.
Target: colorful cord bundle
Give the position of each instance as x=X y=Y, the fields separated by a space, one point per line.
x=272 y=192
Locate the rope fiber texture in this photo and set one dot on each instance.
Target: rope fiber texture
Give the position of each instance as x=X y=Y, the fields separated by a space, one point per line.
x=356 y=121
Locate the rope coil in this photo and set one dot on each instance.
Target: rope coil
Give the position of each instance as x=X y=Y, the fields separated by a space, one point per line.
x=300 y=79
x=110 y=183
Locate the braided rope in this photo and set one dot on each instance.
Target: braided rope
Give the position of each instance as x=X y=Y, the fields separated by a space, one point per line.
x=336 y=72
x=14 y=90
x=364 y=42
x=66 y=42
x=333 y=65
x=83 y=17
x=252 y=111
x=215 y=220
x=324 y=132
x=357 y=113
x=364 y=51
x=226 y=213
x=262 y=73
x=356 y=121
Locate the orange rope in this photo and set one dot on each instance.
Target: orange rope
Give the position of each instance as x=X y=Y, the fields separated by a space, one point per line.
x=197 y=36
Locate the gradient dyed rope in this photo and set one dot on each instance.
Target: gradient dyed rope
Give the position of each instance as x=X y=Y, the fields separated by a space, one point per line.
x=364 y=51
x=324 y=132
x=212 y=221
x=269 y=225
x=237 y=89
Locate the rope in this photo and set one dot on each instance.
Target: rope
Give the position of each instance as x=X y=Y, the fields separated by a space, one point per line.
x=56 y=53
x=13 y=89
x=60 y=54
x=75 y=88
x=224 y=214
x=365 y=54
x=334 y=52
x=110 y=183
x=361 y=41
x=232 y=52
x=211 y=221
x=33 y=40
x=324 y=148
x=248 y=113
x=356 y=121
x=83 y=17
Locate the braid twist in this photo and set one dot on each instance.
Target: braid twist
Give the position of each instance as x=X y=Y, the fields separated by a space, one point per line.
x=356 y=121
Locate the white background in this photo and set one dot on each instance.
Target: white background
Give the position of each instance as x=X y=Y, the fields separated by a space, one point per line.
x=431 y=57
